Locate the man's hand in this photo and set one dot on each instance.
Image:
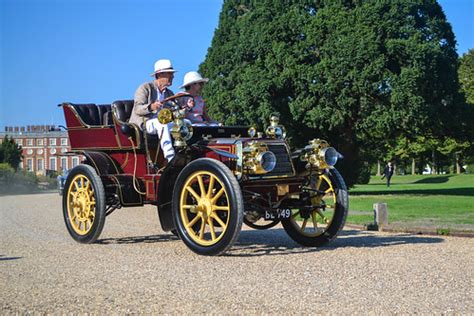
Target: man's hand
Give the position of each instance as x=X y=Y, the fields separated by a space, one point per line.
x=155 y=106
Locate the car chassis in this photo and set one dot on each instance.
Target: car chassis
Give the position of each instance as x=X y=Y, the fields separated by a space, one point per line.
x=220 y=177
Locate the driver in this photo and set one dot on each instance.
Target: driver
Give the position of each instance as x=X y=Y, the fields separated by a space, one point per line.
x=147 y=103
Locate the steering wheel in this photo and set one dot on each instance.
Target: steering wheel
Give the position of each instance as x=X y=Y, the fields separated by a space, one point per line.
x=176 y=96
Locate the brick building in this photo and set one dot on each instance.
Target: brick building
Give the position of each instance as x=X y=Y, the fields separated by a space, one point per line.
x=44 y=148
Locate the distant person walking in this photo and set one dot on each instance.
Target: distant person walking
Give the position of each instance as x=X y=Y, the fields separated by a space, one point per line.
x=388 y=173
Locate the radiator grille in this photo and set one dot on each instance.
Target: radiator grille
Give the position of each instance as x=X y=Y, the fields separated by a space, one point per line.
x=283 y=161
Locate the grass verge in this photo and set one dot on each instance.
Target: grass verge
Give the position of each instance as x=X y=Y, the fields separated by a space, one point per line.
x=442 y=203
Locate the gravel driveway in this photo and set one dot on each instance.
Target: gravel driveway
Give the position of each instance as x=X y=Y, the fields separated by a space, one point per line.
x=136 y=267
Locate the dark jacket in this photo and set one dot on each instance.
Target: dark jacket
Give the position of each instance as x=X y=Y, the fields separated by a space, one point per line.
x=388 y=171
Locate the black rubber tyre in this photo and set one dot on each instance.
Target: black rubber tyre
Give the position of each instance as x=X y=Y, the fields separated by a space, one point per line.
x=206 y=193
x=84 y=204
x=339 y=214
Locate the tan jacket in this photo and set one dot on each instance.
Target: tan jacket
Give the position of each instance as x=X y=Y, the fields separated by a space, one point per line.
x=145 y=95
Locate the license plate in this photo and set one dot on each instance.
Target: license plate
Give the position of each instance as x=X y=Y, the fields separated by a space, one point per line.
x=278 y=214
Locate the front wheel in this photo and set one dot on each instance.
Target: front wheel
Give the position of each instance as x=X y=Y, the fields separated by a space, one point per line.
x=321 y=219
x=207 y=207
x=84 y=204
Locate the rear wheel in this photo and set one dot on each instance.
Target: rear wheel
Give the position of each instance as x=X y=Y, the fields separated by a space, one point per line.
x=84 y=204
x=207 y=207
x=325 y=215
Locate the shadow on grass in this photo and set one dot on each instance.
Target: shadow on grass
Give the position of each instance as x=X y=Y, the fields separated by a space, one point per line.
x=438 y=179
x=447 y=191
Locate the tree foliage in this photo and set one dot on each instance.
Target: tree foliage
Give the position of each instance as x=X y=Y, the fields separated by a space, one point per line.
x=10 y=152
x=466 y=75
x=359 y=73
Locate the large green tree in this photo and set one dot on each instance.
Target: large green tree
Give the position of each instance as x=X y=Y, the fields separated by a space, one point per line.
x=357 y=72
x=466 y=75
x=10 y=152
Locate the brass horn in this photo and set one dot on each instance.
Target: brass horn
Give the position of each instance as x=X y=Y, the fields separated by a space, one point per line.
x=165 y=116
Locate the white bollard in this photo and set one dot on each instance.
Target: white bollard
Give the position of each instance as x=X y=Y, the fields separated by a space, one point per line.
x=381 y=215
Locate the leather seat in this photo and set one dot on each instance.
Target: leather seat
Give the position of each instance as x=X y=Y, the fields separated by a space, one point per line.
x=123 y=109
x=93 y=114
x=105 y=114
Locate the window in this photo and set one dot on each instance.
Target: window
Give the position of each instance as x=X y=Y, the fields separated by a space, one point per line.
x=39 y=142
x=63 y=163
x=39 y=164
x=52 y=163
x=29 y=164
x=75 y=161
x=29 y=142
x=19 y=142
x=63 y=141
x=52 y=142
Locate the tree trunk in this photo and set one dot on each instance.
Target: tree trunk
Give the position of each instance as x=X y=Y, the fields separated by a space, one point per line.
x=458 y=166
x=433 y=169
x=413 y=165
x=378 y=168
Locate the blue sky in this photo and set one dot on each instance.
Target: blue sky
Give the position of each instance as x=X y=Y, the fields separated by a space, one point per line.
x=98 y=51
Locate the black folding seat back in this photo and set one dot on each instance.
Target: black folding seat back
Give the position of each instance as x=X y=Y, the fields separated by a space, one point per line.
x=123 y=109
x=105 y=114
x=88 y=113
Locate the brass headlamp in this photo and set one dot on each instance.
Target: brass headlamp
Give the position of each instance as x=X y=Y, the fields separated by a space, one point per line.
x=275 y=130
x=320 y=155
x=257 y=159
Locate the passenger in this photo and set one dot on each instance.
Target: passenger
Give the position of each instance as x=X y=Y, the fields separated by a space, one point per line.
x=147 y=103
x=196 y=108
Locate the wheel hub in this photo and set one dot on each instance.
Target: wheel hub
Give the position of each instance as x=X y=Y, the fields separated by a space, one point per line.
x=205 y=207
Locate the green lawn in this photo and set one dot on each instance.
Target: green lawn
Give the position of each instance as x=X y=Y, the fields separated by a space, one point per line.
x=432 y=201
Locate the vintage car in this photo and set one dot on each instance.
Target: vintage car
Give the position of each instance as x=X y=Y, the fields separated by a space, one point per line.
x=221 y=177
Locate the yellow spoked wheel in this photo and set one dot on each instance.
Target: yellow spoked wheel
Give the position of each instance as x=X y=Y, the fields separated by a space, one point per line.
x=319 y=221
x=83 y=204
x=207 y=206
x=204 y=208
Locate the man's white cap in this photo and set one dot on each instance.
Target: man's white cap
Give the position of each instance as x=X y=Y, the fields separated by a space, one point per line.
x=192 y=77
x=163 y=65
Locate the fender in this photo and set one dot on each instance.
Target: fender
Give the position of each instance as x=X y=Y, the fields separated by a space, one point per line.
x=220 y=152
x=166 y=187
x=101 y=162
x=115 y=182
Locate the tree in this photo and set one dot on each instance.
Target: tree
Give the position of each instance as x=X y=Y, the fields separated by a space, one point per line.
x=358 y=73
x=466 y=75
x=10 y=152
x=452 y=147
